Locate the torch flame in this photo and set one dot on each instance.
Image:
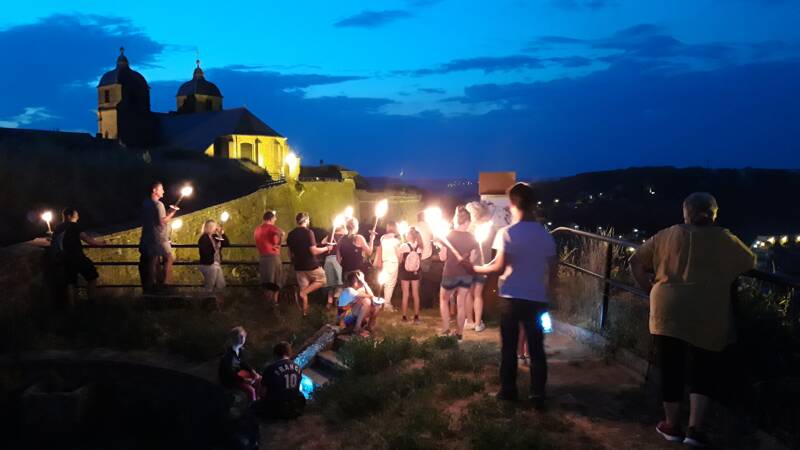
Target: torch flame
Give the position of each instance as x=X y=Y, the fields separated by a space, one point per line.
x=176 y=224
x=186 y=191
x=402 y=227
x=224 y=216
x=47 y=216
x=348 y=212
x=381 y=208
x=482 y=231
x=338 y=221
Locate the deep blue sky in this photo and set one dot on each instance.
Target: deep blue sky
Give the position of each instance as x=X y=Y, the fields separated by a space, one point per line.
x=441 y=87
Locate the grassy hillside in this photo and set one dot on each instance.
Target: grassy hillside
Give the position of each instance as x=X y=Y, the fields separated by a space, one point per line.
x=106 y=182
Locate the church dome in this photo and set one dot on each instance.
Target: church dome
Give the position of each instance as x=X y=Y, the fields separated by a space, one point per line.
x=198 y=85
x=123 y=74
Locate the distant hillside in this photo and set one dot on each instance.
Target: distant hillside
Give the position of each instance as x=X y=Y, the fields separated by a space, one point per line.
x=752 y=201
x=105 y=181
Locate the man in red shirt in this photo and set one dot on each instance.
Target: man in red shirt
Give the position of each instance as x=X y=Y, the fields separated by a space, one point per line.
x=268 y=239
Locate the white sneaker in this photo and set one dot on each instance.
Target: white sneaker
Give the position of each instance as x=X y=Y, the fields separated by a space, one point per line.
x=468 y=325
x=480 y=327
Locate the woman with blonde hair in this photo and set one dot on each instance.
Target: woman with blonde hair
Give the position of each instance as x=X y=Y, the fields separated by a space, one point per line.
x=210 y=247
x=410 y=270
x=481 y=217
x=353 y=250
x=455 y=278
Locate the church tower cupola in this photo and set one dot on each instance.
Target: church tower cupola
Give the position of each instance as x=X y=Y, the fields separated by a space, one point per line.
x=198 y=94
x=123 y=104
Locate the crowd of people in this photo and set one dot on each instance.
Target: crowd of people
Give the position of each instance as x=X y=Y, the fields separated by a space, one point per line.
x=688 y=270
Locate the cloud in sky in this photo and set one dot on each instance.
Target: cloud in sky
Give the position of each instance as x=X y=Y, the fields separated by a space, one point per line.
x=373 y=19
x=30 y=115
x=630 y=110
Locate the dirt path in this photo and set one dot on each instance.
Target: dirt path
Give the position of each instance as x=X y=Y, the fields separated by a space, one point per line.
x=605 y=402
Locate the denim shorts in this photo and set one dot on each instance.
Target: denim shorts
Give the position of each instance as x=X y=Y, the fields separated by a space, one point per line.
x=464 y=281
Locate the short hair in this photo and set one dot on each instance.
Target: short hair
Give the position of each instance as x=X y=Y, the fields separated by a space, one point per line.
x=391 y=224
x=68 y=212
x=351 y=277
x=234 y=336
x=521 y=195
x=301 y=217
x=282 y=349
x=269 y=215
x=207 y=223
x=700 y=208
x=155 y=184
x=461 y=216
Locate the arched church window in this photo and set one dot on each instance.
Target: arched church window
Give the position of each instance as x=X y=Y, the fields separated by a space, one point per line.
x=246 y=151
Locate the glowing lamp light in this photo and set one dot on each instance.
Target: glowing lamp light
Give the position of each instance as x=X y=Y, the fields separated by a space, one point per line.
x=771 y=239
x=383 y=277
x=306 y=386
x=224 y=216
x=556 y=200
x=547 y=322
x=292 y=162
x=797 y=239
x=176 y=224
x=635 y=230
x=631 y=249
x=784 y=240
x=549 y=224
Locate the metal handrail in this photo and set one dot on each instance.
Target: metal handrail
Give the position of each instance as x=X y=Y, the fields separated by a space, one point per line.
x=779 y=279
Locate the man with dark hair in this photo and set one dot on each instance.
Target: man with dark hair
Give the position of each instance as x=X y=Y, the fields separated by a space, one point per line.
x=303 y=250
x=155 y=261
x=268 y=239
x=67 y=239
x=282 y=398
x=526 y=257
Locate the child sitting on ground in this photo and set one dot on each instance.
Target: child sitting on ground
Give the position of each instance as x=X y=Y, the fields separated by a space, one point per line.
x=358 y=304
x=234 y=372
x=282 y=398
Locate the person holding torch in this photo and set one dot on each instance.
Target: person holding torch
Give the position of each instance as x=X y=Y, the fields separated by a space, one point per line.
x=155 y=261
x=526 y=257
x=460 y=245
x=484 y=231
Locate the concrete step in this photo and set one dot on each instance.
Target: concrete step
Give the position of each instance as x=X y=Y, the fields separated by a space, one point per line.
x=341 y=340
x=331 y=361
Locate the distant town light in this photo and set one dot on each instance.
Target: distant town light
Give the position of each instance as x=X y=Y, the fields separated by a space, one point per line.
x=784 y=239
x=797 y=239
x=576 y=227
x=539 y=203
x=556 y=200
x=549 y=224
x=635 y=230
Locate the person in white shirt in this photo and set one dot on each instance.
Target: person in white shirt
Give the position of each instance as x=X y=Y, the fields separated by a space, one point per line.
x=526 y=256
x=387 y=260
x=357 y=304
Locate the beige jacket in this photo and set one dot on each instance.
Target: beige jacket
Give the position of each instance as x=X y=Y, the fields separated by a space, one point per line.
x=694 y=269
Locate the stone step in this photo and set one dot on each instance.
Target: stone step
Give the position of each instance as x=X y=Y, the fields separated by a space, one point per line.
x=330 y=361
x=316 y=377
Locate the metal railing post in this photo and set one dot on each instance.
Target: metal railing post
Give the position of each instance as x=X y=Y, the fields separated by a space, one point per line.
x=606 y=284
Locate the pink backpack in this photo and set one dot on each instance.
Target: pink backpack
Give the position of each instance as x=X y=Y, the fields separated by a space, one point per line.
x=413 y=260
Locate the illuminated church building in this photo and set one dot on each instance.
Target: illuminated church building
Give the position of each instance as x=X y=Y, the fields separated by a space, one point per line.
x=199 y=124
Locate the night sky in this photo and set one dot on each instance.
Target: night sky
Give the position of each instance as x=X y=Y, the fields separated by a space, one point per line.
x=440 y=88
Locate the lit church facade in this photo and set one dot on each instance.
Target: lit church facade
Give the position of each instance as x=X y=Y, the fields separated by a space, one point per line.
x=199 y=123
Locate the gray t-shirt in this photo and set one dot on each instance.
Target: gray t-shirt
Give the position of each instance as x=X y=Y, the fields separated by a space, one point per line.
x=465 y=243
x=154 y=233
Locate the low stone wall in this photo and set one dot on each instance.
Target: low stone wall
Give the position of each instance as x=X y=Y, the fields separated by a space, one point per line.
x=323 y=200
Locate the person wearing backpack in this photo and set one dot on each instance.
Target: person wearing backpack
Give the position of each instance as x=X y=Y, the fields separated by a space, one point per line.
x=67 y=246
x=410 y=272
